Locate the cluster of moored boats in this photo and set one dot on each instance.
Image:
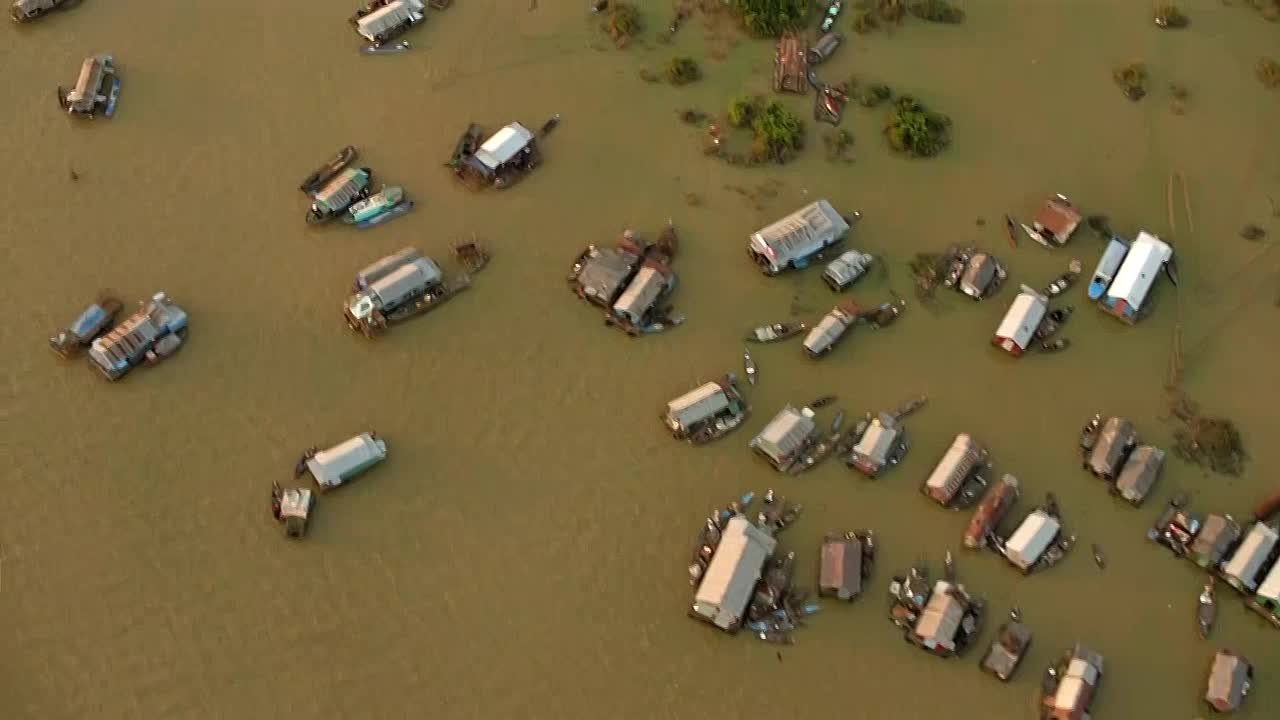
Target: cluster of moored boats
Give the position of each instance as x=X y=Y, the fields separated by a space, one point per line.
x=329 y=468
x=339 y=190
x=382 y=21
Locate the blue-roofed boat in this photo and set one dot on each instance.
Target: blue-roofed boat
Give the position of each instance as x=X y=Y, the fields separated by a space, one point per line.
x=113 y=97
x=1111 y=259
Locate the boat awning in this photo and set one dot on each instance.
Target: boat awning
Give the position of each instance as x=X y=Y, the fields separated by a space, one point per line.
x=785 y=433
x=1031 y=539
x=735 y=568
x=1243 y=567
x=1138 y=272
x=698 y=404
x=504 y=145
x=1023 y=318
x=641 y=294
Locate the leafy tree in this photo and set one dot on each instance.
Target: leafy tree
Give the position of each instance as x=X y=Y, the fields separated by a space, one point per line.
x=771 y=17
x=624 y=21
x=781 y=130
x=914 y=129
x=742 y=111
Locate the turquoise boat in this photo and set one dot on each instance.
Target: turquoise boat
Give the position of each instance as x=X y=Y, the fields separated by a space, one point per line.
x=384 y=201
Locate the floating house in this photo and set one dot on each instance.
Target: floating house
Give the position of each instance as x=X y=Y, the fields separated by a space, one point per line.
x=949 y=621
x=28 y=10
x=1139 y=474
x=1108 y=264
x=730 y=579
x=959 y=463
x=153 y=333
x=341 y=192
x=96 y=88
x=1078 y=677
x=824 y=336
x=383 y=266
x=92 y=322
x=396 y=292
x=636 y=308
x=1230 y=678
x=341 y=463
x=883 y=444
x=390 y=20
x=1246 y=565
x=1133 y=281
x=707 y=412
x=508 y=154
x=846 y=560
x=994 y=506
x=1007 y=650
x=793 y=241
x=785 y=439
x=1116 y=439
x=1033 y=537
x=1216 y=538
x=1055 y=223
x=846 y=269
x=982 y=277
x=1018 y=328
x=601 y=274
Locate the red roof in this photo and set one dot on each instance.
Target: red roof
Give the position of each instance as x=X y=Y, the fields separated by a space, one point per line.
x=1059 y=217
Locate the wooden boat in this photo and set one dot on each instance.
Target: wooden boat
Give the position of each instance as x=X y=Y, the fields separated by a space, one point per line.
x=1207 y=611
x=1267 y=508
x=1064 y=281
x=1098 y=558
x=401 y=208
x=91 y=323
x=113 y=97
x=1052 y=346
x=1011 y=231
x=550 y=125
x=1089 y=434
x=468 y=143
x=749 y=365
x=383 y=201
x=471 y=255
x=395 y=49
x=838 y=422
x=337 y=164
x=1007 y=650
x=776 y=332
x=823 y=401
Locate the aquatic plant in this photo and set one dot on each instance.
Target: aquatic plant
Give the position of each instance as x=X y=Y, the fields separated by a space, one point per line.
x=914 y=129
x=1269 y=72
x=1206 y=441
x=624 y=22
x=837 y=143
x=1170 y=17
x=1132 y=79
x=873 y=95
x=743 y=110
x=939 y=11
x=683 y=70
x=864 y=21
x=779 y=133
x=769 y=18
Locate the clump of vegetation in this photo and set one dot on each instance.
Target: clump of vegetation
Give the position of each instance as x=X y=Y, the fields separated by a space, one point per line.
x=1269 y=72
x=874 y=95
x=1132 y=79
x=914 y=129
x=769 y=18
x=683 y=70
x=864 y=21
x=890 y=10
x=693 y=117
x=779 y=133
x=648 y=75
x=1170 y=17
x=928 y=270
x=838 y=144
x=939 y=11
x=1207 y=441
x=624 y=22
x=743 y=110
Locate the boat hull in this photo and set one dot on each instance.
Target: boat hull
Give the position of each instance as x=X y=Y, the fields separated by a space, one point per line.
x=390 y=214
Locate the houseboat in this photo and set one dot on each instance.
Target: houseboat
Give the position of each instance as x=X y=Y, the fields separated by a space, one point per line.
x=990 y=511
x=1254 y=555
x=708 y=412
x=1108 y=264
x=1018 y=328
x=92 y=322
x=599 y=275
x=846 y=269
x=27 y=10
x=961 y=462
x=292 y=508
x=1115 y=441
x=1139 y=474
x=727 y=586
x=343 y=462
x=784 y=441
x=1007 y=650
x=96 y=89
x=824 y=336
x=795 y=240
x=1175 y=528
x=1214 y=541
x=506 y=156
x=341 y=192
x=1072 y=685
x=1133 y=281
x=883 y=444
x=846 y=563
x=950 y=621
x=1055 y=223
x=1230 y=678
x=823 y=48
x=326 y=172
x=1266 y=599
x=1027 y=546
x=396 y=291
x=148 y=336
x=639 y=308
x=386 y=204
x=982 y=276
x=389 y=20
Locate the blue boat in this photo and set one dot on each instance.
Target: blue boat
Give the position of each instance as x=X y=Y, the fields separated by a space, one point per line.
x=1112 y=257
x=113 y=97
x=395 y=212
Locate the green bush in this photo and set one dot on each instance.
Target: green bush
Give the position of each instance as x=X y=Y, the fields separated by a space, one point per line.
x=915 y=130
x=742 y=111
x=624 y=21
x=683 y=70
x=771 y=17
x=779 y=131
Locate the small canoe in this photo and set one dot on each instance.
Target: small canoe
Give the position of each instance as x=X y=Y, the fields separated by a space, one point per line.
x=749 y=366
x=838 y=422
x=776 y=332
x=394 y=49
x=1098 y=558
x=113 y=97
x=1089 y=434
x=551 y=124
x=1011 y=231
x=823 y=401
x=1207 y=612
x=336 y=164
x=1110 y=262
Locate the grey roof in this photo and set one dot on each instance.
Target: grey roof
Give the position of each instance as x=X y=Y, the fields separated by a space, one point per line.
x=731 y=576
x=1105 y=457
x=786 y=433
x=878 y=440
x=978 y=275
x=803 y=231
x=1140 y=473
x=408 y=279
x=642 y=293
x=1228 y=681
x=604 y=273
x=504 y=145
x=841 y=570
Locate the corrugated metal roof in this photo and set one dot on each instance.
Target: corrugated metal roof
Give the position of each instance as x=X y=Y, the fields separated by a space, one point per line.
x=604 y=272
x=1243 y=567
x=1031 y=539
x=735 y=567
x=801 y=233
x=408 y=279
x=1024 y=316
x=941 y=617
x=1138 y=272
x=877 y=441
x=1139 y=473
x=698 y=404
x=959 y=460
x=504 y=145
x=335 y=465
x=785 y=433
x=641 y=294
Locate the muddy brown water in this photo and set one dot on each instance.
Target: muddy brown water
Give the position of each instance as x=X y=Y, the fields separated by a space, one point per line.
x=522 y=551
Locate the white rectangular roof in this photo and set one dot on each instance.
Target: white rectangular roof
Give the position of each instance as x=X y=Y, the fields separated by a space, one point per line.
x=1270 y=588
x=698 y=404
x=785 y=432
x=1031 y=539
x=958 y=461
x=736 y=566
x=1244 y=565
x=1024 y=316
x=1136 y=275
x=801 y=233
x=504 y=145
x=641 y=294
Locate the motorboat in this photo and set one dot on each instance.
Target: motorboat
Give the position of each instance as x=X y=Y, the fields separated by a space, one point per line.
x=1108 y=264
x=385 y=204
x=776 y=332
x=1089 y=434
x=823 y=401
x=394 y=49
x=1056 y=345
x=1098 y=557
x=1064 y=281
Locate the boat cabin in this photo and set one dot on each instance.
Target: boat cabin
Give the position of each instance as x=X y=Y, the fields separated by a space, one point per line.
x=1115 y=440
x=391 y=20
x=343 y=462
x=338 y=194
x=959 y=463
x=883 y=444
x=824 y=336
x=948 y=621
x=295 y=510
x=1108 y=264
x=982 y=276
x=994 y=506
x=600 y=274
x=1136 y=275
x=1077 y=686
x=846 y=269
x=842 y=570
x=1018 y=328
x=702 y=409
x=509 y=152
x=1230 y=677
x=1139 y=474
x=1028 y=543
x=824 y=47
x=634 y=307
x=92 y=322
x=1057 y=221
x=729 y=582
x=1242 y=571
x=1215 y=540
x=785 y=439
x=28 y=10
x=149 y=335
x=93 y=86
x=1007 y=650
x=795 y=239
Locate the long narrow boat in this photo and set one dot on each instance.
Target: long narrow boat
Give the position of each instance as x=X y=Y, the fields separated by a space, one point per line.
x=113 y=97
x=397 y=48
x=1108 y=264
x=776 y=332
x=326 y=172
x=468 y=143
